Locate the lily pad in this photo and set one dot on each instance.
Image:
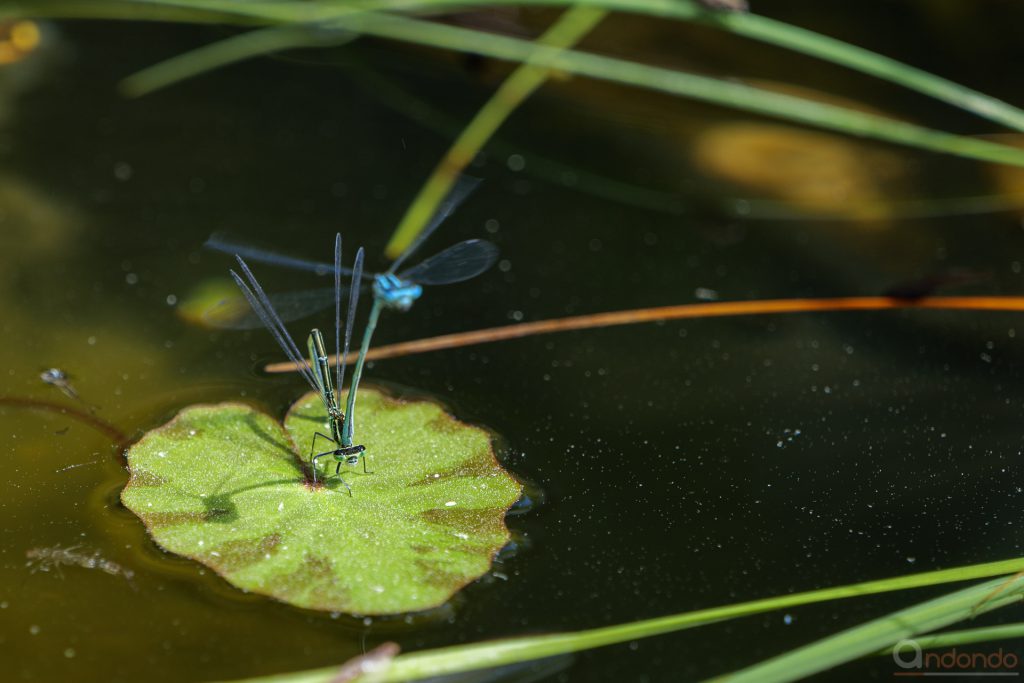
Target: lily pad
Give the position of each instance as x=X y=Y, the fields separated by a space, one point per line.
x=228 y=486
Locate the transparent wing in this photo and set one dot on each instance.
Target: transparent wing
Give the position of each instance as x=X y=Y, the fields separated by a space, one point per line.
x=463 y=187
x=257 y=298
x=353 y=300
x=237 y=314
x=337 y=316
x=218 y=241
x=458 y=262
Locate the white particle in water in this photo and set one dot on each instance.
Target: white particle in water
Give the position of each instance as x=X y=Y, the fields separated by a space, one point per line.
x=280 y=506
x=191 y=432
x=161 y=454
x=123 y=171
x=378 y=589
x=450 y=503
x=705 y=294
x=202 y=543
x=34 y=629
x=787 y=619
x=911 y=559
x=171 y=299
x=69 y=652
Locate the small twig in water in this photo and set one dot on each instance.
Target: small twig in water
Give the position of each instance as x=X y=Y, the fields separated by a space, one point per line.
x=714 y=309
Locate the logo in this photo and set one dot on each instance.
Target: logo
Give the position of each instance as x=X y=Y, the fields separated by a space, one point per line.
x=913 y=661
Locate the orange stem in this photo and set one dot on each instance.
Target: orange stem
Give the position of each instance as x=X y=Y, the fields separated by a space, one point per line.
x=703 y=310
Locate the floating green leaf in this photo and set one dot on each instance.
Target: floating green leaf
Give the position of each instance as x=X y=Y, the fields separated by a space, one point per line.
x=225 y=485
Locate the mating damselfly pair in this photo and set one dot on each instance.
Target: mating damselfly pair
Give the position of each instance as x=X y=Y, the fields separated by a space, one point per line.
x=391 y=289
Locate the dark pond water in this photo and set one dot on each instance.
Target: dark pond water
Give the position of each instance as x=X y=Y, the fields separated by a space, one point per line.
x=683 y=465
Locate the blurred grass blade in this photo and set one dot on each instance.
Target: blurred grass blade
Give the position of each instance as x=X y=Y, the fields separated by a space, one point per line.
x=555 y=172
x=712 y=90
x=748 y=25
x=455 y=659
x=568 y=30
x=716 y=91
x=704 y=88
x=123 y=10
x=881 y=633
x=835 y=51
x=223 y=52
x=770 y=31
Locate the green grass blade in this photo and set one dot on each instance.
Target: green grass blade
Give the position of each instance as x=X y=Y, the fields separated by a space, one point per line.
x=835 y=51
x=605 y=68
x=568 y=30
x=880 y=633
x=425 y=114
x=750 y=26
x=715 y=91
x=126 y=10
x=449 y=660
x=223 y=52
x=780 y=34
x=652 y=199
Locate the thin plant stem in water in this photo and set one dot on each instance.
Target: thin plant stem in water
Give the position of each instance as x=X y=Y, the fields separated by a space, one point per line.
x=681 y=312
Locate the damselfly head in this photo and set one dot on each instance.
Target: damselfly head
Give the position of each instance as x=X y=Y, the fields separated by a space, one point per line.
x=395 y=292
x=350 y=454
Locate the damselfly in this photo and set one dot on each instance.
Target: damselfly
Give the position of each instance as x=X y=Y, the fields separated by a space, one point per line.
x=393 y=289
x=317 y=370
